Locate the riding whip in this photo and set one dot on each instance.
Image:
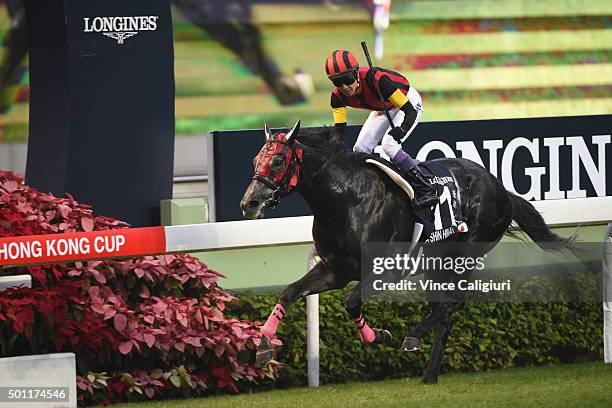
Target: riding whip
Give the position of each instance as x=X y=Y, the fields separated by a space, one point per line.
x=367 y=54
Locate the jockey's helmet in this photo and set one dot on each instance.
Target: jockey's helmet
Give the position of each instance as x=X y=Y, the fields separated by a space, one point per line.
x=340 y=63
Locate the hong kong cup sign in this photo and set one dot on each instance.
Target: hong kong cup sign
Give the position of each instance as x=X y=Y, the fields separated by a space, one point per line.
x=27 y=250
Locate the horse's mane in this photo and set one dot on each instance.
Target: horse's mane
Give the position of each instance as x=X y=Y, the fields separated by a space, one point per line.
x=324 y=140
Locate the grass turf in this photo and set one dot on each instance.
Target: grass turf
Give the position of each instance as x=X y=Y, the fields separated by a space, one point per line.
x=583 y=385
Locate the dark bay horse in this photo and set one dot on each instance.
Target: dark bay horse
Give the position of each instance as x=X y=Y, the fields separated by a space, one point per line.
x=354 y=203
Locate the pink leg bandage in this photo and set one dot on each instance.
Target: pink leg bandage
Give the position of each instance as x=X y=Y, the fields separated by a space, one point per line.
x=365 y=332
x=271 y=325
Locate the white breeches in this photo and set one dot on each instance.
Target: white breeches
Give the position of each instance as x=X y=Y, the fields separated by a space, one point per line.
x=377 y=125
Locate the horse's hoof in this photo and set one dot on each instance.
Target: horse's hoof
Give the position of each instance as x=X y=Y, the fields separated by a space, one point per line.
x=382 y=336
x=265 y=352
x=411 y=344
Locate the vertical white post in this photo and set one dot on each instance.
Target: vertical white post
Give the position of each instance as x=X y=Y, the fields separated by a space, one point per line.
x=607 y=295
x=312 y=343
x=312 y=326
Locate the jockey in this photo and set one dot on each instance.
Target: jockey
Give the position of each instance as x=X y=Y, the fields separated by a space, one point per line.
x=359 y=88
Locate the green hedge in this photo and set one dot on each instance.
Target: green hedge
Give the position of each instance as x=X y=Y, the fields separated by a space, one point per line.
x=484 y=336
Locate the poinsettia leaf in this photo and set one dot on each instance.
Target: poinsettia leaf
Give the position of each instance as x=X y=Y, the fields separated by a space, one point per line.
x=125 y=347
x=109 y=312
x=194 y=341
x=238 y=331
x=97 y=275
x=120 y=322
x=87 y=224
x=64 y=210
x=94 y=292
x=149 y=339
x=10 y=185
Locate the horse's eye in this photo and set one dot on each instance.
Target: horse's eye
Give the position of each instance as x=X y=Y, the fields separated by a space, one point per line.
x=276 y=161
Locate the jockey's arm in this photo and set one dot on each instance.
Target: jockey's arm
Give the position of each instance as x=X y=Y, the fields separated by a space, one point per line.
x=338 y=111
x=394 y=95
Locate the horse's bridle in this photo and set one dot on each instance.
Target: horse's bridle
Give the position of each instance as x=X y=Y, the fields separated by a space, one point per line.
x=292 y=172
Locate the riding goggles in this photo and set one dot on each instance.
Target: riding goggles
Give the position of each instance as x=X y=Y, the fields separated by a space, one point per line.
x=347 y=80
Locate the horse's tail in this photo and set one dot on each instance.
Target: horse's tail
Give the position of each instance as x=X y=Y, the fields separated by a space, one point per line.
x=532 y=223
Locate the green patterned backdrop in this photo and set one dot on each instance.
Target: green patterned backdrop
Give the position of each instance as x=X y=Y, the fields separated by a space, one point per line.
x=469 y=59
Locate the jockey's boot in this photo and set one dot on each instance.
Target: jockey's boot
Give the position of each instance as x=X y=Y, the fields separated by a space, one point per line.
x=424 y=194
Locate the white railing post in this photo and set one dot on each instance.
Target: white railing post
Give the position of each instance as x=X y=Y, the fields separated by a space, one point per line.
x=607 y=295
x=312 y=344
x=312 y=325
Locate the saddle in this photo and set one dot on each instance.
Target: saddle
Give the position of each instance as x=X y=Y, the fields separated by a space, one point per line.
x=441 y=221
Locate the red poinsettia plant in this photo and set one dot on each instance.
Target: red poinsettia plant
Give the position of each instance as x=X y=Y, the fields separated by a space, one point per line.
x=141 y=328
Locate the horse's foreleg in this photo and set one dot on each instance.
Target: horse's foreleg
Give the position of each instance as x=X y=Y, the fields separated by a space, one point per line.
x=441 y=332
x=318 y=279
x=353 y=304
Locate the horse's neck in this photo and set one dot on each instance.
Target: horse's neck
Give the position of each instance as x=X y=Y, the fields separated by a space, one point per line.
x=350 y=205
x=324 y=186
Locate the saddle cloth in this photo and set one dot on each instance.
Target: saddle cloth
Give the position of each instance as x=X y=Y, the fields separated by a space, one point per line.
x=444 y=219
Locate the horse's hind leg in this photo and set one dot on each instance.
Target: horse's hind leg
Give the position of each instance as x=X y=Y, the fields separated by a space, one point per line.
x=441 y=332
x=413 y=341
x=353 y=304
x=440 y=303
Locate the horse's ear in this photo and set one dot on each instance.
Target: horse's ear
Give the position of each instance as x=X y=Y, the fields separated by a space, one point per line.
x=293 y=133
x=267 y=131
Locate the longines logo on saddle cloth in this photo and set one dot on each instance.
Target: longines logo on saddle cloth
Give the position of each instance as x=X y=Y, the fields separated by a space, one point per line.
x=119 y=28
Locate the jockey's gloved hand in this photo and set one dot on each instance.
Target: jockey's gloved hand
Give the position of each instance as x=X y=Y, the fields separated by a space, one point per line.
x=398 y=133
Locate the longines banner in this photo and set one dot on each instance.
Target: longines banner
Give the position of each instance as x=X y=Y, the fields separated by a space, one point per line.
x=102 y=103
x=539 y=159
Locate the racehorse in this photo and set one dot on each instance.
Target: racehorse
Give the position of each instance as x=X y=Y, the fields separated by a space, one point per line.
x=354 y=203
